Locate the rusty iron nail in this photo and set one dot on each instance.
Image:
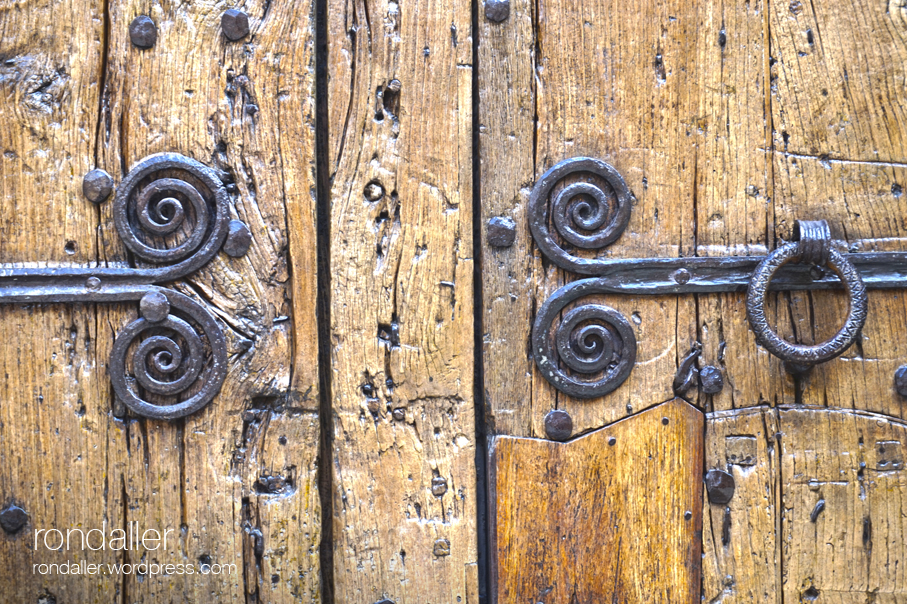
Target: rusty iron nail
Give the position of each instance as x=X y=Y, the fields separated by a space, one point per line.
x=373 y=191
x=143 y=32
x=239 y=239
x=720 y=486
x=97 y=186
x=497 y=10
x=686 y=374
x=710 y=379
x=558 y=425
x=235 y=24
x=688 y=515
x=612 y=441
x=817 y=510
x=441 y=548
x=438 y=486
x=399 y=415
x=13 y=518
x=900 y=380
x=154 y=307
x=665 y=421
x=501 y=231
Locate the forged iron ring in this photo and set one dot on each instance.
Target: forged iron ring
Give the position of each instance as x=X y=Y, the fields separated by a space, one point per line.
x=143 y=207
x=595 y=342
x=797 y=353
x=581 y=213
x=162 y=352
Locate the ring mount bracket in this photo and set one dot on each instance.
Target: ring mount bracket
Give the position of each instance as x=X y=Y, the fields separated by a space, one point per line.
x=569 y=222
x=173 y=214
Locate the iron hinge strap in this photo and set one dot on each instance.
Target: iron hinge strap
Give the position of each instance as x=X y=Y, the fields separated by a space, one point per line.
x=173 y=213
x=582 y=205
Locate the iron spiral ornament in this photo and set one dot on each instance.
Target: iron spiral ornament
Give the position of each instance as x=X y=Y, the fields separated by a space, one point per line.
x=176 y=348
x=591 y=351
x=173 y=211
x=588 y=214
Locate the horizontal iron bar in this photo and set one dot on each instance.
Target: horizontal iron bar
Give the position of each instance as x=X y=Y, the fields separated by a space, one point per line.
x=652 y=276
x=55 y=292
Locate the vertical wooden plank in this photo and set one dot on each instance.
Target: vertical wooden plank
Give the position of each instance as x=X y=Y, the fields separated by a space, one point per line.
x=54 y=430
x=739 y=547
x=734 y=194
x=236 y=481
x=506 y=131
x=844 y=487
x=578 y=521
x=840 y=74
x=401 y=301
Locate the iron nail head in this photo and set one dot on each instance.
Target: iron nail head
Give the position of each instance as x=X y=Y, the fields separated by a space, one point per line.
x=143 y=32
x=239 y=239
x=497 y=10
x=558 y=425
x=235 y=24
x=154 y=307
x=501 y=231
x=720 y=486
x=97 y=186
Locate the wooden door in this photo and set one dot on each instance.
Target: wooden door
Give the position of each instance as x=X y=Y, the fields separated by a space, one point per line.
x=376 y=432
x=728 y=122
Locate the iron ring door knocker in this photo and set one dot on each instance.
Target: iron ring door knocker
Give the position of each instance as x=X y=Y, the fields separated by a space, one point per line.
x=811 y=245
x=593 y=348
x=173 y=214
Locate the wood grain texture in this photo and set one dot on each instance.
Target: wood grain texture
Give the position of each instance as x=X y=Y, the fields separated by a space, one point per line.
x=579 y=521
x=675 y=97
x=247 y=110
x=839 y=152
x=54 y=424
x=400 y=147
x=740 y=554
x=817 y=510
x=851 y=547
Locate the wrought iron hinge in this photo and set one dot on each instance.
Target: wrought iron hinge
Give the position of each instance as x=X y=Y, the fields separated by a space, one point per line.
x=582 y=205
x=172 y=212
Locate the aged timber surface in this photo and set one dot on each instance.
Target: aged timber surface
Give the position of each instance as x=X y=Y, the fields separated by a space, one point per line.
x=728 y=121
x=402 y=363
x=77 y=95
x=613 y=515
x=816 y=514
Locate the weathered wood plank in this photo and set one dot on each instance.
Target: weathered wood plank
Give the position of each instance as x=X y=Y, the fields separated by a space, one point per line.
x=401 y=301
x=572 y=80
x=844 y=487
x=54 y=425
x=245 y=109
x=839 y=148
x=579 y=521
x=839 y=75
x=739 y=548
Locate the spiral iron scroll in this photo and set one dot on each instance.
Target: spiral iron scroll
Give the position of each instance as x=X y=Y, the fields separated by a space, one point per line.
x=592 y=350
x=169 y=357
x=172 y=210
x=583 y=214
